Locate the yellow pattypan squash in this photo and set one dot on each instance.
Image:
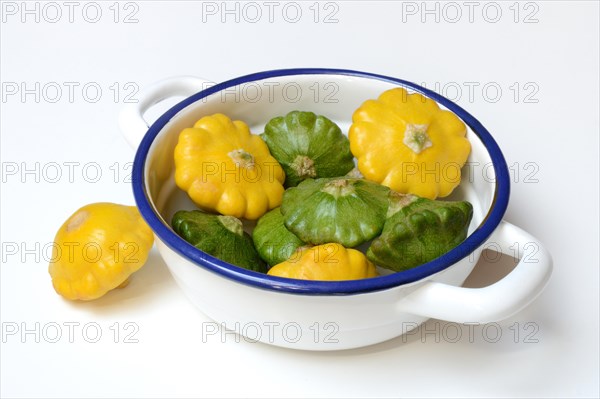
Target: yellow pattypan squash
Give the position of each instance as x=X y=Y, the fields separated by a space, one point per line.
x=329 y=262
x=97 y=249
x=406 y=142
x=225 y=168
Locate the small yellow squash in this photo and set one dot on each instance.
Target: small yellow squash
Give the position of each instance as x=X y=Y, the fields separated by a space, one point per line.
x=406 y=142
x=97 y=249
x=225 y=168
x=328 y=262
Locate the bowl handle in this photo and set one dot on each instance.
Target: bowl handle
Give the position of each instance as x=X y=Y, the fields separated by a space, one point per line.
x=131 y=119
x=497 y=301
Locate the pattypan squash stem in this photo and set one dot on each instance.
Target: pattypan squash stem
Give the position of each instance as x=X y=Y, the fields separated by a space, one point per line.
x=76 y=221
x=339 y=188
x=232 y=224
x=399 y=201
x=242 y=158
x=416 y=137
x=304 y=167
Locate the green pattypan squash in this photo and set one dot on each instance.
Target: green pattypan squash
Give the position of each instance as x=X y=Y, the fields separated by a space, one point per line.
x=419 y=230
x=308 y=146
x=343 y=210
x=273 y=241
x=220 y=236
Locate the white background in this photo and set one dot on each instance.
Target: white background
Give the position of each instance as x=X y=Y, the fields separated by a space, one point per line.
x=545 y=118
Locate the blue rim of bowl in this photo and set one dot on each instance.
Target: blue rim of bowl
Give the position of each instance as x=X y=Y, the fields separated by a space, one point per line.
x=306 y=287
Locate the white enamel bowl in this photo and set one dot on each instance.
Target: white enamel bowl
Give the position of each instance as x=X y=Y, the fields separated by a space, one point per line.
x=314 y=315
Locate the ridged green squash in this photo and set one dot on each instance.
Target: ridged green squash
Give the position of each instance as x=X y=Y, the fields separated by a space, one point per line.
x=273 y=241
x=308 y=146
x=419 y=230
x=220 y=236
x=343 y=210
